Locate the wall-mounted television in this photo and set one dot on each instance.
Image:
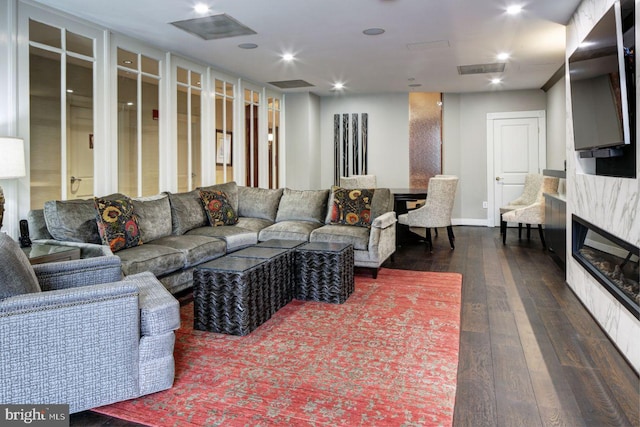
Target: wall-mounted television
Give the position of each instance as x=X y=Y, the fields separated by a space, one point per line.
x=602 y=77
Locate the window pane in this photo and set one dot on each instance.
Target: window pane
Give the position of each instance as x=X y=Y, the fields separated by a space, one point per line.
x=127 y=59
x=183 y=142
x=150 y=137
x=45 y=34
x=127 y=134
x=196 y=173
x=79 y=44
x=219 y=86
x=150 y=66
x=182 y=76
x=196 y=79
x=45 y=126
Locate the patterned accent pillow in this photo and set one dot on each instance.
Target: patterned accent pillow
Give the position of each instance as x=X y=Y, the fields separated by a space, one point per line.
x=117 y=224
x=351 y=207
x=218 y=208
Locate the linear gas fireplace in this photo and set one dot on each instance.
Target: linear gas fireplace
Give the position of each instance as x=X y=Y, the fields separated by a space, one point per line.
x=611 y=260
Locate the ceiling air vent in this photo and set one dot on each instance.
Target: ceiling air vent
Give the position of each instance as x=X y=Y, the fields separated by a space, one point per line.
x=214 y=27
x=291 y=84
x=497 y=67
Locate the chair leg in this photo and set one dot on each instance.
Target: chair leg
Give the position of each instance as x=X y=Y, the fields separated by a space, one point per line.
x=504 y=235
x=519 y=230
x=544 y=245
x=451 y=236
x=503 y=225
x=374 y=272
x=429 y=243
x=436 y=231
x=528 y=231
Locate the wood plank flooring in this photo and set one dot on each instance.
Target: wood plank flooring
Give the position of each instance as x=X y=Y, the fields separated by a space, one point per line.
x=530 y=354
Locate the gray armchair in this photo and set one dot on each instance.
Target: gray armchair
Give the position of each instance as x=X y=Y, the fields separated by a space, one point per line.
x=76 y=333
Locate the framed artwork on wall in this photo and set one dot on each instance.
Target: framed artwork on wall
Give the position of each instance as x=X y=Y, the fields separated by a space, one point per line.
x=223 y=147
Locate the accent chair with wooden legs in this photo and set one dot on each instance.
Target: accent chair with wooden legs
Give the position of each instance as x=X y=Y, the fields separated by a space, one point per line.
x=436 y=211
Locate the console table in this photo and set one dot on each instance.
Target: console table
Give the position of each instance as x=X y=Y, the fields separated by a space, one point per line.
x=403 y=195
x=555 y=225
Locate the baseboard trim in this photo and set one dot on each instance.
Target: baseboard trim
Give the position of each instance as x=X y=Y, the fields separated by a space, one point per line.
x=470 y=221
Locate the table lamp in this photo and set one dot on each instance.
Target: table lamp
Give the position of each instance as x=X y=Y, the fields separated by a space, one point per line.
x=11 y=163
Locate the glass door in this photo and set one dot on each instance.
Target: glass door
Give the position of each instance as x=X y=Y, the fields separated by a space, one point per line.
x=189 y=123
x=251 y=137
x=224 y=142
x=273 y=141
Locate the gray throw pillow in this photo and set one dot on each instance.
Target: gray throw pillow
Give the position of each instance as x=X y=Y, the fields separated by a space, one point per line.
x=16 y=274
x=187 y=212
x=258 y=202
x=154 y=216
x=303 y=205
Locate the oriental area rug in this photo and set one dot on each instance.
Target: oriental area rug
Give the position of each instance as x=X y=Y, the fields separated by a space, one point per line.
x=388 y=356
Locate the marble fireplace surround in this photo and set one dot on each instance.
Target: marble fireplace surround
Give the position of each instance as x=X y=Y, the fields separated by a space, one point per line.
x=610 y=203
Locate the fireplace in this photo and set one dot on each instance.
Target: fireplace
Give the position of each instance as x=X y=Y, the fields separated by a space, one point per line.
x=612 y=261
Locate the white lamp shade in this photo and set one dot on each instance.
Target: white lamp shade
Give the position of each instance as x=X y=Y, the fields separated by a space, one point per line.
x=11 y=158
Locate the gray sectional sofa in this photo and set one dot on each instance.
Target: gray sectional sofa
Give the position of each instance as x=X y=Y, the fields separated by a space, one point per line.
x=177 y=237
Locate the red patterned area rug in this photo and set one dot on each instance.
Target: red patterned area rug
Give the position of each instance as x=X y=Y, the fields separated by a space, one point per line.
x=388 y=356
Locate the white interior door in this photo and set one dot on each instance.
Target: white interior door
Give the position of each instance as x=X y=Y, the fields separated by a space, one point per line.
x=517 y=146
x=80 y=153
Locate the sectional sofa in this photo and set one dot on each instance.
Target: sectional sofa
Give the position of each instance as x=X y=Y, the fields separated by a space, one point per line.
x=175 y=233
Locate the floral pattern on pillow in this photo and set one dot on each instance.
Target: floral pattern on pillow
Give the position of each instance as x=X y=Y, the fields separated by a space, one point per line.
x=117 y=223
x=218 y=208
x=351 y=207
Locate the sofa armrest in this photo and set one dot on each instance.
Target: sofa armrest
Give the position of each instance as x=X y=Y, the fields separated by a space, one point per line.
x=81 y=272
x=77 y=346
x=532 y=214
x=385 y=220
x=159 y=310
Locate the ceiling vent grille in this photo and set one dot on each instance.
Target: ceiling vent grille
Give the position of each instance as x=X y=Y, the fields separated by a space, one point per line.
x=291 y=84
x=497 y=67
x=214 y=27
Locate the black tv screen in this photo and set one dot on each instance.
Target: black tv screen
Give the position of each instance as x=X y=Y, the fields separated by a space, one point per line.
x=602 y=85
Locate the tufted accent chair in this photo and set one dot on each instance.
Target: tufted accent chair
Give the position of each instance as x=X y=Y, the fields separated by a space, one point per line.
x=532 y=185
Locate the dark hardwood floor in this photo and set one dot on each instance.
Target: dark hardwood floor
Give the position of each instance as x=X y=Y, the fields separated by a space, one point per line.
x=530 y=354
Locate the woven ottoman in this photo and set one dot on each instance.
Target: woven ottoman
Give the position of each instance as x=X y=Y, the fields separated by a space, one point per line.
x=324 y=272
x=279 y=268
x=230 y=295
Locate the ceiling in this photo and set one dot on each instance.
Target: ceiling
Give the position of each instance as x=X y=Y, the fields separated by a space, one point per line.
x=423 y=44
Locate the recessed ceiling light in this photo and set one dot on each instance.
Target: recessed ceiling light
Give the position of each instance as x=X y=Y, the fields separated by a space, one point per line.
x=415 y=85
x=496 y=81
x=201 y=8
x=503 y=56
x=373 y=31
x=338 y=86
x=247 y=45
x=514 y=9
x=287 y=57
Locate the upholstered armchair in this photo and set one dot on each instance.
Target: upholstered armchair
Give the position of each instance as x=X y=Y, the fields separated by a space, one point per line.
x=436 y=211
x=76 y=333
x=530 y=192
x=358 y=181
x=534 y=213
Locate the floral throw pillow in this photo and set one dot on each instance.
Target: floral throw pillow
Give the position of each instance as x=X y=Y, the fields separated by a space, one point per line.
x=351 y=207
x=117 y=224
x=219 y=210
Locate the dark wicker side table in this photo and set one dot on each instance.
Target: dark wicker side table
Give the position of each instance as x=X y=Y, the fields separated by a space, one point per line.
x=324 y=272
x=230 y=295
x=279 y=267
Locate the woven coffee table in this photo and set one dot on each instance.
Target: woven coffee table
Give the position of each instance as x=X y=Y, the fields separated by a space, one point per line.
x=230 y=295
x=324 y=272
x=279 y=268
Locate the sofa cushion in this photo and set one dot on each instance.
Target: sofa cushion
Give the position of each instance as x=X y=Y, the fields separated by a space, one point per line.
x=16 y=274
x=74 y=220
x=253 y=224
x=154 y=216
x=356 y=236
x=351 y=207
x=217 y=207
x=186 y=212
x=196 y=249
x=157 y=259
x=258 y=202
x=236 y=237
x=117 y=223
x=230 y=188
x=303 y=205
x=289 y=230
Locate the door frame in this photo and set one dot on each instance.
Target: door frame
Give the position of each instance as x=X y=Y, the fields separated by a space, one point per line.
x=491 y=174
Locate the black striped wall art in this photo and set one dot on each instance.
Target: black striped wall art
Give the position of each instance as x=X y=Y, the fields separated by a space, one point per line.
x=350 y=145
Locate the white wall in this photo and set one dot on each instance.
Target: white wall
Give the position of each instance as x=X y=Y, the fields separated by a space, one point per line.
x=388 y=142
x=465 y=142
x=610 y=203
x=557 y=125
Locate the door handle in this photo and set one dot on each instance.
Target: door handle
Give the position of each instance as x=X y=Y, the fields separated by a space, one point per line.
x=498 y=178
x=74 y=180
